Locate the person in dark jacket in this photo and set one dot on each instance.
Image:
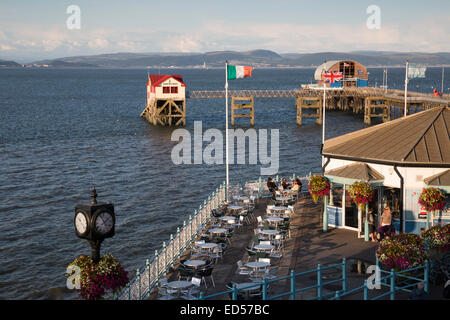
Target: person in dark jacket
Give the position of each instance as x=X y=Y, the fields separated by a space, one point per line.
x=271 y=185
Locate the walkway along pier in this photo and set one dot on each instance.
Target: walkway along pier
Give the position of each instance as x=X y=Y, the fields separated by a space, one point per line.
x=313 y=266
x=387 y=104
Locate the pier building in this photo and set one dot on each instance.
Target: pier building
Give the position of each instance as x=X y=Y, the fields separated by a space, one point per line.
x=398 y=159
x=353 y=73
x=166 y=100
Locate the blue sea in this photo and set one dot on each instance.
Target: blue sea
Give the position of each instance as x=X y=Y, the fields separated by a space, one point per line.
x=64 y=130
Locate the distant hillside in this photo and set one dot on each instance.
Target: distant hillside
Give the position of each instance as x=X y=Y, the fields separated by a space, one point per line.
x=257 y=58
x=7 y=63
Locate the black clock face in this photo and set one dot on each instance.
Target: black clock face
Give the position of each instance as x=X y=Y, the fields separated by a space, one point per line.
x=104 y=222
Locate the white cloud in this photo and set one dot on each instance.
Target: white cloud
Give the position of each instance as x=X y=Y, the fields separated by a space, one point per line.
x=221 y=35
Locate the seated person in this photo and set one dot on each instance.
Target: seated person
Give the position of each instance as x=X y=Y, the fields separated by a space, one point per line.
x=285 y=184
x=299 y=183
x=295 y=186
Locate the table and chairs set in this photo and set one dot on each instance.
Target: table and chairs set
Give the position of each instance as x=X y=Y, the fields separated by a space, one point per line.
x=196 y=271
x=263 y=252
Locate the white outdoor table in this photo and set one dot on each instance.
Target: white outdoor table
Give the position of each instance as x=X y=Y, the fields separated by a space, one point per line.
x=233 y=207
x=269 y=232
x=274 y=219
x=247 y=287
x=207 y=245
x=227 y=218
x=241 y=198
x=218 y=230
x=257 y=264
x=279 y=208
x=179 y=285
x=194 y=263
x=263 y=247
x=247 y=284
x=282 y=199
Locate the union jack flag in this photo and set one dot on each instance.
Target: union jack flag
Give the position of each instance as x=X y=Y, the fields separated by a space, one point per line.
x=332 y=77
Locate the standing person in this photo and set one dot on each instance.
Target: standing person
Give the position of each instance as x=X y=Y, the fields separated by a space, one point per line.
x=271 y=185
x=372 y=225
x=385 y=225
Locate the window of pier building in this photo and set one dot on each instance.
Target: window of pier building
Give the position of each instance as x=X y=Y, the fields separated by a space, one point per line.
x=336 y=191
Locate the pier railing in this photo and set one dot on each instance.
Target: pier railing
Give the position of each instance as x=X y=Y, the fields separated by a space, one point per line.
x=148 y=277
x=391 y=280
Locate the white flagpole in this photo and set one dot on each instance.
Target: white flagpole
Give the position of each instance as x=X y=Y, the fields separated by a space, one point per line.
x=226 y=128
x=406 y=87
x=323 y=115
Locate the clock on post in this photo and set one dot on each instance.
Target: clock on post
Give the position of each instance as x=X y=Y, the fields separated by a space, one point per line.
x=95 y=222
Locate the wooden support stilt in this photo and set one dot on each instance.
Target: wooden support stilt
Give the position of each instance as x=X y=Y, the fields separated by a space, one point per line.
x=314 y=103
x=165 y=112
x=243 y=103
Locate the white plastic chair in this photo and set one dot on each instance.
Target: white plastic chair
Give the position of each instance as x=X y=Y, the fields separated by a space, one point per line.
x=242 y=270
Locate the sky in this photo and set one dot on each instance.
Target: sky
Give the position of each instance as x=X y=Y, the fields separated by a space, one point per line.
x=33 y=30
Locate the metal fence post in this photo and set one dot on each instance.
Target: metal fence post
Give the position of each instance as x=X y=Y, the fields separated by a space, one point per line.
x=165 y=257
x=172 y=258
x=235 y=291
x=184 y=230
x=264 y=293
x=292 y=285
x=157 y=266
x=319 y=281
x=202 y=296
x=425 y=277
x=190 y=225
x=179 y=240
x=138 y=277
x=147 y=265
x=336 y=296
x=366 y=290
x=259 y=186
x=344 y=275
x=392 y=284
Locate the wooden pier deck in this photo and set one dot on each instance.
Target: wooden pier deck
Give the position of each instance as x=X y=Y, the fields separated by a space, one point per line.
x=306 y=247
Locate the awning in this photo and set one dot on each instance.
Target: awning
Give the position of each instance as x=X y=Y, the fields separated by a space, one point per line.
x=355 y=172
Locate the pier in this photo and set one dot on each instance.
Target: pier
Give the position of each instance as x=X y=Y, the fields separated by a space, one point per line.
x=387 y=104
x=311 y=264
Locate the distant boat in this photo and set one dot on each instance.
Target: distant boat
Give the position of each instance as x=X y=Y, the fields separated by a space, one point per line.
x=204 y=65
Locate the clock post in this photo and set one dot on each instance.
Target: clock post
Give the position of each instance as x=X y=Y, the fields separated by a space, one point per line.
x=95 y=222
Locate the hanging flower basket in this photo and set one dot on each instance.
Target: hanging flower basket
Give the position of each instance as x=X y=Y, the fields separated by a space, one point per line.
x=438 y=238
x=318 y=187
x=401 y=252
x=432 y=199
x=361 y=193
x=98 y=279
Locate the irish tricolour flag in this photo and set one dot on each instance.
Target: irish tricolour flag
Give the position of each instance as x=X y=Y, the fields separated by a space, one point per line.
x=237 y=72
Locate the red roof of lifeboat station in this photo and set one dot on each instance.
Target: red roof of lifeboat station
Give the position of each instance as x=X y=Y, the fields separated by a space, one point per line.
x=156 y=79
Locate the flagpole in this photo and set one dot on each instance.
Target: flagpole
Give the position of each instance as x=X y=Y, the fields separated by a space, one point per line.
x=226 y=129
x=406 y=87
x=323 y=115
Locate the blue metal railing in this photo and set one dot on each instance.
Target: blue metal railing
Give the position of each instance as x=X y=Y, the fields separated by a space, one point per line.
x=389 y=280
x=319 y=286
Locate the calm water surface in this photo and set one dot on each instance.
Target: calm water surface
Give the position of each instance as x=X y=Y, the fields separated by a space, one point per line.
x=61 y=131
